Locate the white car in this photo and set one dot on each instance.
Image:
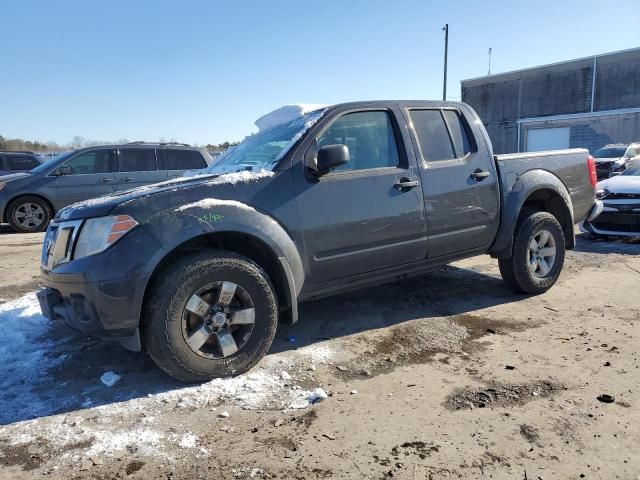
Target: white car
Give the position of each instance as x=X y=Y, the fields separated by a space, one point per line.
x=620 y=196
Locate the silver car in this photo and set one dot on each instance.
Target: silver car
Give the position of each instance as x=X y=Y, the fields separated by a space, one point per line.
x=29 y=200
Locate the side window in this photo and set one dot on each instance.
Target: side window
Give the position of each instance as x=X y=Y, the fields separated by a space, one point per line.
x=94 y=161
x=369 y=136
x=21 y=162
x=136 y=160
x=433 y=137
x=459 y=133
x=183 y=159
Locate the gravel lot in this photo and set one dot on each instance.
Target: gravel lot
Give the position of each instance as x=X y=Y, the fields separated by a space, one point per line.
x=448 y=375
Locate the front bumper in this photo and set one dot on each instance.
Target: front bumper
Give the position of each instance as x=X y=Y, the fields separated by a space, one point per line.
x=101 y=295
x=614 y=219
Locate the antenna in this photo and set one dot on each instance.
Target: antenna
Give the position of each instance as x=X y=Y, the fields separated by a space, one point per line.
x=489 y=72
x=446 y=54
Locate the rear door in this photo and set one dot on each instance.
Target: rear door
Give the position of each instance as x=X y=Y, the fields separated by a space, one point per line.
x=137 y=166
x=179 y=161
x=356 y=219
x=92 y=175
x=459 y=181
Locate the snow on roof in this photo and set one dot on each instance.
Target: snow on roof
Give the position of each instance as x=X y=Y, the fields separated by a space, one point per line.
x=286 y=114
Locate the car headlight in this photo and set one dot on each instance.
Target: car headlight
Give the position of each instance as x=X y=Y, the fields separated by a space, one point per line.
x=601 y=193
x=98 y=234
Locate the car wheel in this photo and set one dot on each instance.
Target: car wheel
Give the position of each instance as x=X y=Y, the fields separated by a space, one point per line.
x=538 y=254
x=209 y=315
x=29 y=214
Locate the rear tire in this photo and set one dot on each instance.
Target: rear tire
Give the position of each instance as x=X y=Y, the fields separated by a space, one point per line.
x=538 y=254
x=187 y=307
x=29 y=214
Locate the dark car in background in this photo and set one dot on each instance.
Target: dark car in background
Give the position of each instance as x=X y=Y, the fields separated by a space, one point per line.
x=29 y=200
x=14 y=162
x=614 y=158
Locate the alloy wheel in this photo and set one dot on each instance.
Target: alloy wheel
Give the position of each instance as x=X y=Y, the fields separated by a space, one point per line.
x=542 y=253
x=29 y=215
x=218 y=320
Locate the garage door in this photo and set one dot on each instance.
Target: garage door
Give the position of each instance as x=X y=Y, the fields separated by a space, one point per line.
x=547 y=139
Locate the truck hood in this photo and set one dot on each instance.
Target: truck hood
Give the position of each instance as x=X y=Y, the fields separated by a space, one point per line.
x=621 y=184
x=101 y=206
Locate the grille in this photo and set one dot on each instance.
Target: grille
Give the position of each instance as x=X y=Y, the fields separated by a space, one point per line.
x=58 y=243
x=622 y=196
x=618 y=222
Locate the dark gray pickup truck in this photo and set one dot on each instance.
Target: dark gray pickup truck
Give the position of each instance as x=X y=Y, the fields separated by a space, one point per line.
x=198 y=271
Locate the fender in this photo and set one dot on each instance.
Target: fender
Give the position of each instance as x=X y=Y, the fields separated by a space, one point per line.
x=188 y=222
x=516 y=192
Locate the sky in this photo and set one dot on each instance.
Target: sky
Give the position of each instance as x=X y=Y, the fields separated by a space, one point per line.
x=202 y=71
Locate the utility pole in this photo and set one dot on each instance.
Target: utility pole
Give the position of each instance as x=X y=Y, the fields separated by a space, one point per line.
x=446 y=52
x=489 y=72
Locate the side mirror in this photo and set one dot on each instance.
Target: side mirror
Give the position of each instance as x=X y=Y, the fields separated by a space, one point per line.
x=63 y=170
x=330 y=157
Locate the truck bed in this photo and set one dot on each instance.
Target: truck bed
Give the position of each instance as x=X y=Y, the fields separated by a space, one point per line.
x=570 y=166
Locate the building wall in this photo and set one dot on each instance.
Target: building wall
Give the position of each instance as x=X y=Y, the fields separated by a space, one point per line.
x=566 y=88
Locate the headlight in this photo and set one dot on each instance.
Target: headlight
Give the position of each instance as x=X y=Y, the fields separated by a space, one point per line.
x=2 y=185
x=601 y=193
x=98 y=234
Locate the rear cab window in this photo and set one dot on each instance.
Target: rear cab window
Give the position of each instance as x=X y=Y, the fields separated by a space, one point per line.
x=442 y=135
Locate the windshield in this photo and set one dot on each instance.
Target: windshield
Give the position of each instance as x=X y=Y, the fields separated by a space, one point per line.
x=264 y=149
x=610 y=152
x=51 y=163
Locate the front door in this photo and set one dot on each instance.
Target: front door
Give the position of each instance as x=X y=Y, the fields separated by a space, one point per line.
x=459 y=183
x=358 y=218
x=138 y=166
x=91 y=175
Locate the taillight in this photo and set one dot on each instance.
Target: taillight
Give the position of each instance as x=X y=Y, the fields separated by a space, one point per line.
x=593 y=177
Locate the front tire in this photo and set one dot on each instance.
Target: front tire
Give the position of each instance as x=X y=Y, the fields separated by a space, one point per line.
x=29 y=214
x=209 y=315
x=538 y=254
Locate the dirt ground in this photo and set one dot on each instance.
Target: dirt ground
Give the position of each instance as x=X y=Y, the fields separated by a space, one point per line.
x=448 y=375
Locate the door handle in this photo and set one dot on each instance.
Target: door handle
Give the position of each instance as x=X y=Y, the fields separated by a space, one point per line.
x=406 y=184
x=105 y=180
x=127 y=180
x=478 y=175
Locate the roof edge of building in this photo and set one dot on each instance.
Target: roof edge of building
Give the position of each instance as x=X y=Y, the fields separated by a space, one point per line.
x=519 y=72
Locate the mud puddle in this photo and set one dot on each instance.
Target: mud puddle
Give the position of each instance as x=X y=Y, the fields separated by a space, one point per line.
x=501 y=395
x=419 y=341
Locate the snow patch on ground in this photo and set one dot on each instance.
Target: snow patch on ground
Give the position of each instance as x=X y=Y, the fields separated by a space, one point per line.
x=142 y=440
x=30 y=389
x=317 y=353
x=188 y=440
x=25 y=356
